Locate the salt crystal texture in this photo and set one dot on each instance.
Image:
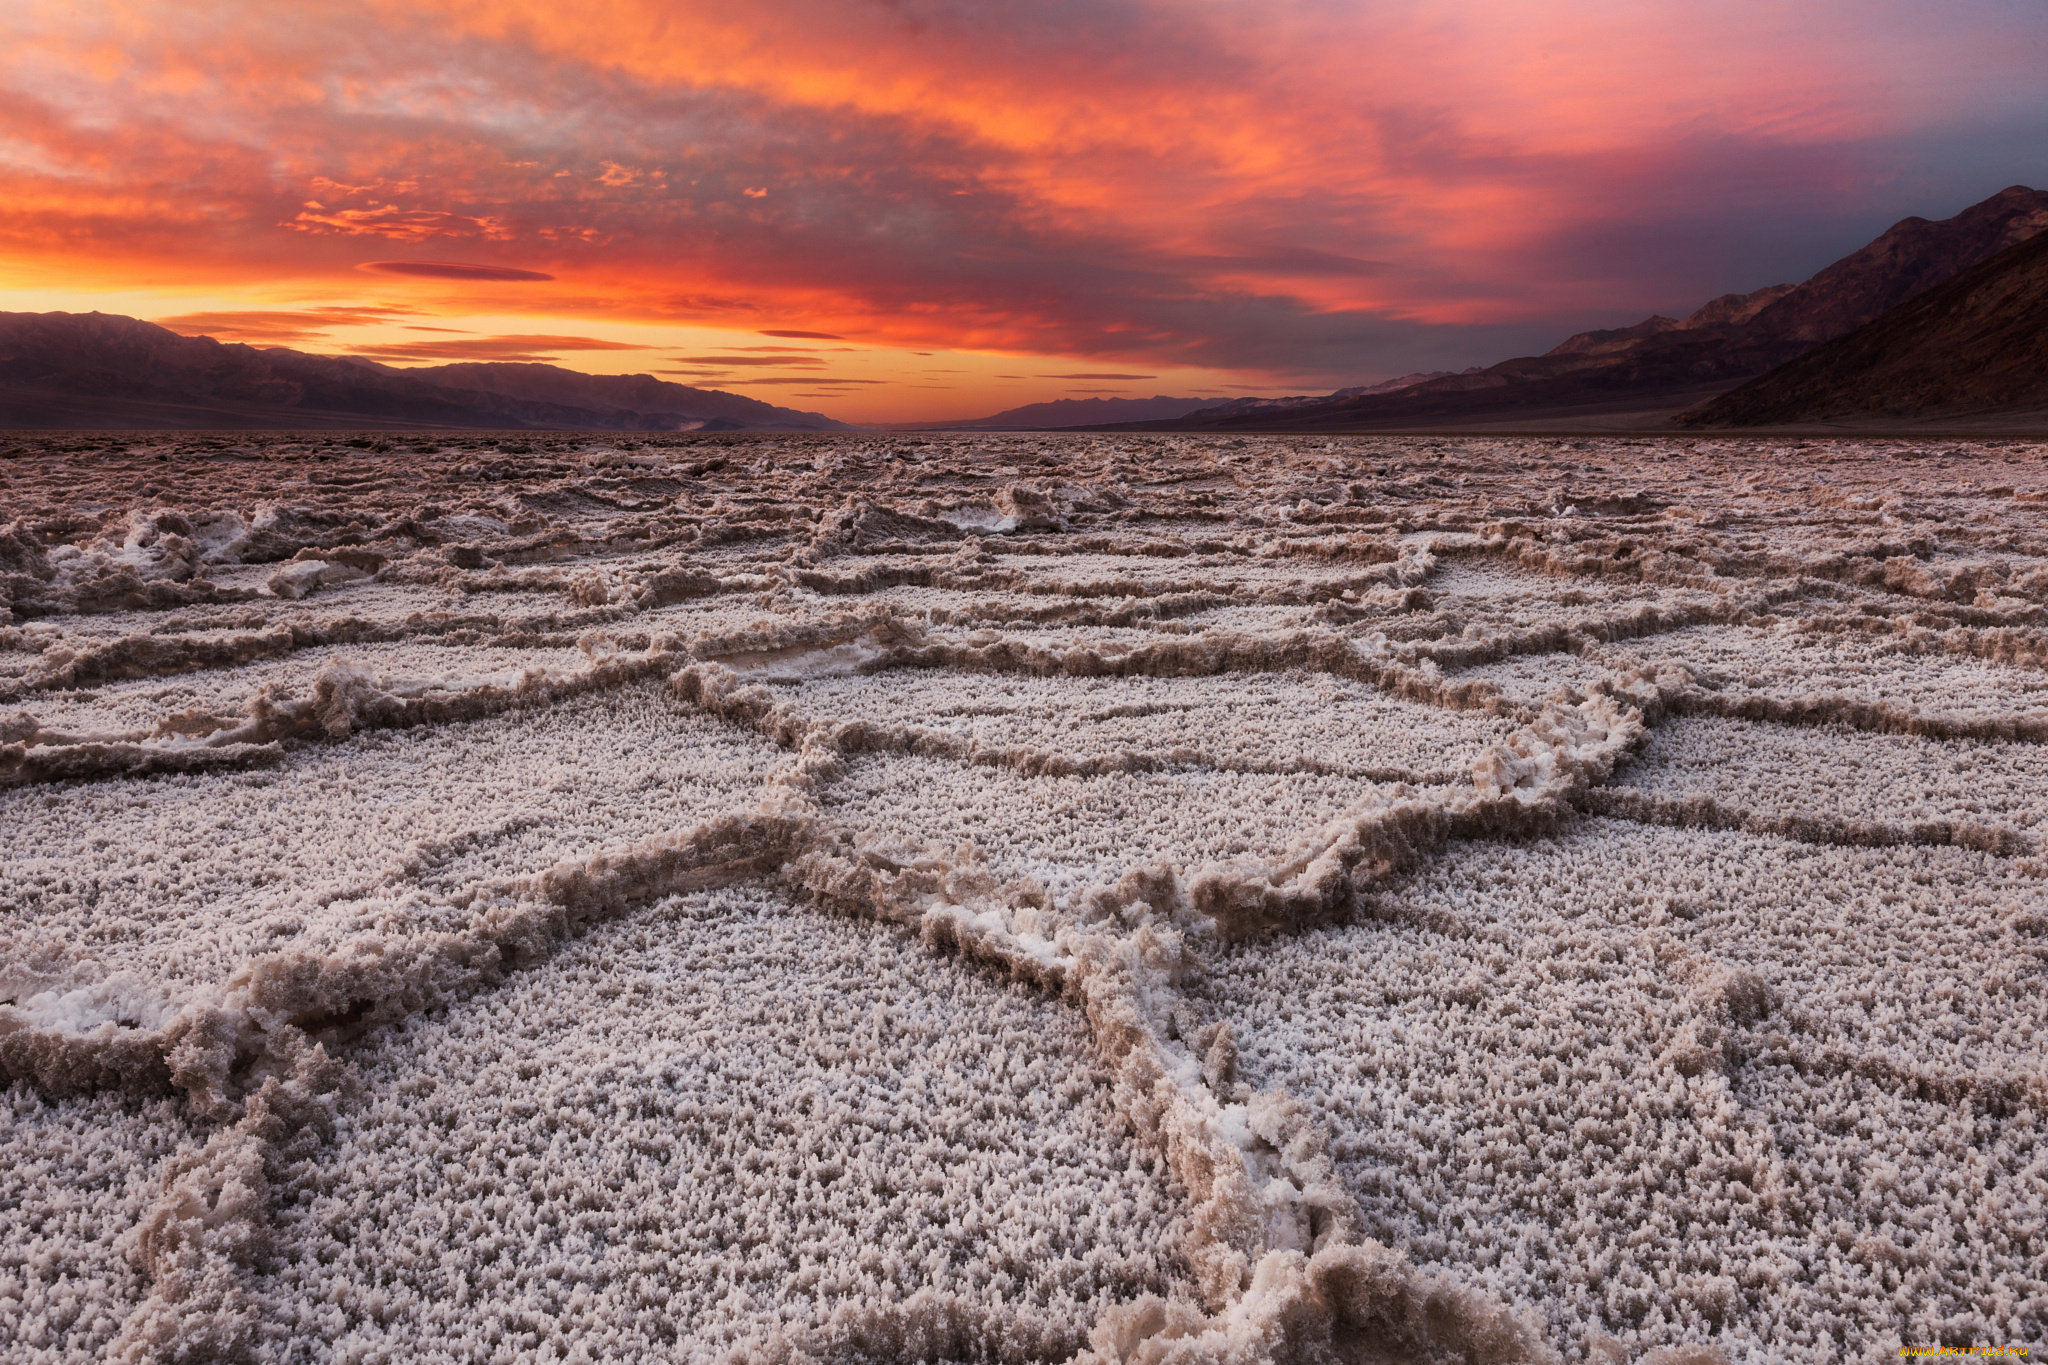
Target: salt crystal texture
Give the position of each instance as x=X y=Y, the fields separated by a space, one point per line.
x=1021 y=898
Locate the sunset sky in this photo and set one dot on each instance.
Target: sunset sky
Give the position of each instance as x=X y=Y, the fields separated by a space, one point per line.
x=909 y=209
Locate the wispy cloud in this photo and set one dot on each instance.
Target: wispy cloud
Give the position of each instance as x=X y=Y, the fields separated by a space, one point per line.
x=779 y=361
x=279 y=327
x=511 y=348
x=450 y=270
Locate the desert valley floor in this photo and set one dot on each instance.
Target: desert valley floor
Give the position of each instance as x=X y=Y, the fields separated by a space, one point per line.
x=1014 y=896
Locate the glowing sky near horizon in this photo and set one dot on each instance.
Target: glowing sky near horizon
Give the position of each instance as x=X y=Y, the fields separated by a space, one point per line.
x=971 y=206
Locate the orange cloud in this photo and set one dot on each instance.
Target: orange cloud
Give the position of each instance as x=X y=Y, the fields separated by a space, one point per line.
x=279 y=327
x=449 y=270
x=522 y=348
x=780 y=361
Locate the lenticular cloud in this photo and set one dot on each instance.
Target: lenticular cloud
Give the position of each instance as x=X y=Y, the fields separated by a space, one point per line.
x=1108 y=899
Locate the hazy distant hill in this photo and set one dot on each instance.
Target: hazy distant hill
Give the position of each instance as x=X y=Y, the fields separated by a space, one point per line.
x=1079 y=412
x=1269 y=405
x=1669 y=363
x=101 y=371
x=1075 y=412
x=1976 y=344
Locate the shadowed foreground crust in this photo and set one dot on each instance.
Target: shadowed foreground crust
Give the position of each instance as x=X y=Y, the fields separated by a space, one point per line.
x=1111 y=899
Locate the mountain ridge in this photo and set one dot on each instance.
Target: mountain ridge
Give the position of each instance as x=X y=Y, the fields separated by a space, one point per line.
x=1973 y=344
x=107 y=371
x=1669 y=363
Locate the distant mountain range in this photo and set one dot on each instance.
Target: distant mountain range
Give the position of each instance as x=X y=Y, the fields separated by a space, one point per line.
x=1092 y=412
x=1662 y=365
x=1975 y=344
x=1073 y=412
x=101 y=371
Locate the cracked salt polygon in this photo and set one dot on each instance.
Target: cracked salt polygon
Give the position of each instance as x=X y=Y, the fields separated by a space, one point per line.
x=1493 y=590
x=382 y=827
x=1249 y=722
x=1775 y=1097
x=1730 y=1089
x=1788 y=664
x=137 y=704
x=1073 y=832
x=1876 y=788
x=719 y=1117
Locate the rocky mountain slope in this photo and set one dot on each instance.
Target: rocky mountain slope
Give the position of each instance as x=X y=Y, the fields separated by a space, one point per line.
x=100 y=371
x=1667 y=362
x=1978 y=343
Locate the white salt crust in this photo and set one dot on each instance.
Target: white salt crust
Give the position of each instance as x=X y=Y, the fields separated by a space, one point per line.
x=1684 y=1008
x=77 y=1176
x=140 y=703
x=1498 y=597
x=1529 y=678
x=1069 y=833
x=719 y=1117
x=1731 y=1089
x=1260 y=723
x=1906 y=783
x=181 y=877
x=1786 y=662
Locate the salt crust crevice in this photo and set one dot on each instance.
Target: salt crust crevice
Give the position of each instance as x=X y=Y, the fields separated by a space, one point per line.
x=256 y=1022
x=874 y=1123
x=1275 y=1244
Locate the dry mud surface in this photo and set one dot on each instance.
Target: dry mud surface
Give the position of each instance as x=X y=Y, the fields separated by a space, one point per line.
x=1018 y=898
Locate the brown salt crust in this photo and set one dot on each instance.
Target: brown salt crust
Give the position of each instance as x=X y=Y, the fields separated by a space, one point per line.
x=142 y=656
x=1588 y=632
x=972 y=571
x=1146 y=611
x=1667 y=689
x=1202 y=655
x=715 y=687
x=344 y=698
x=207 y=1234
x=119 y=588
x=1964 y=589
x=1835 y=709
x=161 y=655
x=1700 y=810
x=2022 y=646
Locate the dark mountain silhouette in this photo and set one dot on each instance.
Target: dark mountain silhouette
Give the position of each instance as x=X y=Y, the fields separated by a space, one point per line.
x=1668 y=364
x=101 y=371
x=1974 y=345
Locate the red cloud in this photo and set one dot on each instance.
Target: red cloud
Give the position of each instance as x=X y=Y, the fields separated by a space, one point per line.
x=805 y=336
x=450 y=270
x=278 y=328
x=491 y=348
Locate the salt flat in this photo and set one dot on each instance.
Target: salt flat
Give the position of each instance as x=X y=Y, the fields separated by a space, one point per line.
x=1018 y=897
